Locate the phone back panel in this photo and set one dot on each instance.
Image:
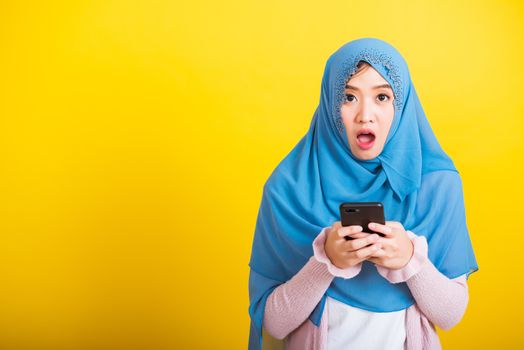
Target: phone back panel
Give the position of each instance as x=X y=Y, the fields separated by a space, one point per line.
x=362 y=213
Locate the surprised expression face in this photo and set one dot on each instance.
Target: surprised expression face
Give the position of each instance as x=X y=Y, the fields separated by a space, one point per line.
x=367 y=112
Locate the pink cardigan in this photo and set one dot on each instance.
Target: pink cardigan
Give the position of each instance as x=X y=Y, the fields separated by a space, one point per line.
x=438 y=299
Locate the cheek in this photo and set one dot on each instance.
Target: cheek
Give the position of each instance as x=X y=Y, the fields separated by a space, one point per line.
x=346 y=116
x=386 y=126
x=389 y=121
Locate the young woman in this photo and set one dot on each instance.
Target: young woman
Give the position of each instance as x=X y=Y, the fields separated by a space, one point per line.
x=369 y=141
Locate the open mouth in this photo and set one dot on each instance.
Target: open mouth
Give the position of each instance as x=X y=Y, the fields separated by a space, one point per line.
x=365 y=138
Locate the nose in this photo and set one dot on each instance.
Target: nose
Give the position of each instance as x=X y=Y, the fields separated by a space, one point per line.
x=365 y=114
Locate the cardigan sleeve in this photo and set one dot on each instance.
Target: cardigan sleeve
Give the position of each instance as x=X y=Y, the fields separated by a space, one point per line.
x=291 y=303
x=442 y=300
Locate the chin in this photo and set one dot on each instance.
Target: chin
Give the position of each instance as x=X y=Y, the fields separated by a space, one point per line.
x=365 y=154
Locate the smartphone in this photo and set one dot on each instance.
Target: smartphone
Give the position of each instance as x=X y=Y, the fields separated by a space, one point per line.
x=362 y=213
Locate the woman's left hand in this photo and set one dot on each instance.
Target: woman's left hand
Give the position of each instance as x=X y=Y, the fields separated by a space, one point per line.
x=397 y=248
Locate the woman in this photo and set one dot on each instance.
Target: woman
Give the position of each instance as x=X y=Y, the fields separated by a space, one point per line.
x=369 y=141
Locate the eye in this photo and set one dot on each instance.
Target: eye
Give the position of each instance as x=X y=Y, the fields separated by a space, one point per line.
x=347 y=98
x=384 y=95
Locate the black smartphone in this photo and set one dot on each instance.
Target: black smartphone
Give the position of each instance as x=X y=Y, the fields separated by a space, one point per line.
x=362 y=213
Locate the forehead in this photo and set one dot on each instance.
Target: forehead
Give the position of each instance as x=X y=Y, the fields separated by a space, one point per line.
x=367 y=79
x=367 y=75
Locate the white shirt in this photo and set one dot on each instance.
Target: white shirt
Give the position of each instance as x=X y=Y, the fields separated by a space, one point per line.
x=351 y=328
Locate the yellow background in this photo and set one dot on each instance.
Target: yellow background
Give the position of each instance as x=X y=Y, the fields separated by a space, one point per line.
x=136 y=137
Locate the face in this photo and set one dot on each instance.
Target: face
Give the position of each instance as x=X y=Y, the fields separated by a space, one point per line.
x=367 y=112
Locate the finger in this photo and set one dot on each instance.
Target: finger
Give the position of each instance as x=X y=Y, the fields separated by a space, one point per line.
x=364 y=253
x=394 y=224
x=360 y=235
x=386 y=230
x=376 y=255
x=353 y=236
x=361 y=242
x=334 y=228
x=348 y=230
x=373 y=259
x=357 y=235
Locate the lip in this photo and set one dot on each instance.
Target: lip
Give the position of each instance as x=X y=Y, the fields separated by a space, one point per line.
x=365 y=131
x=366 y=145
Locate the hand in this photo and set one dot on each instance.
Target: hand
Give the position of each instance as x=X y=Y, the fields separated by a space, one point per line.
x=343 y=253
x=397 y=248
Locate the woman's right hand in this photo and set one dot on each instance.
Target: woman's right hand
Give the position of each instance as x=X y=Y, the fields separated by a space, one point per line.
x=346 y=253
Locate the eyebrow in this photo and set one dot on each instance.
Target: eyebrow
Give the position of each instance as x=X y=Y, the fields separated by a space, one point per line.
x=387 y=86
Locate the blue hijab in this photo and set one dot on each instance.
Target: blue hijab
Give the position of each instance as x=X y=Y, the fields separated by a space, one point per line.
x=413 y=177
